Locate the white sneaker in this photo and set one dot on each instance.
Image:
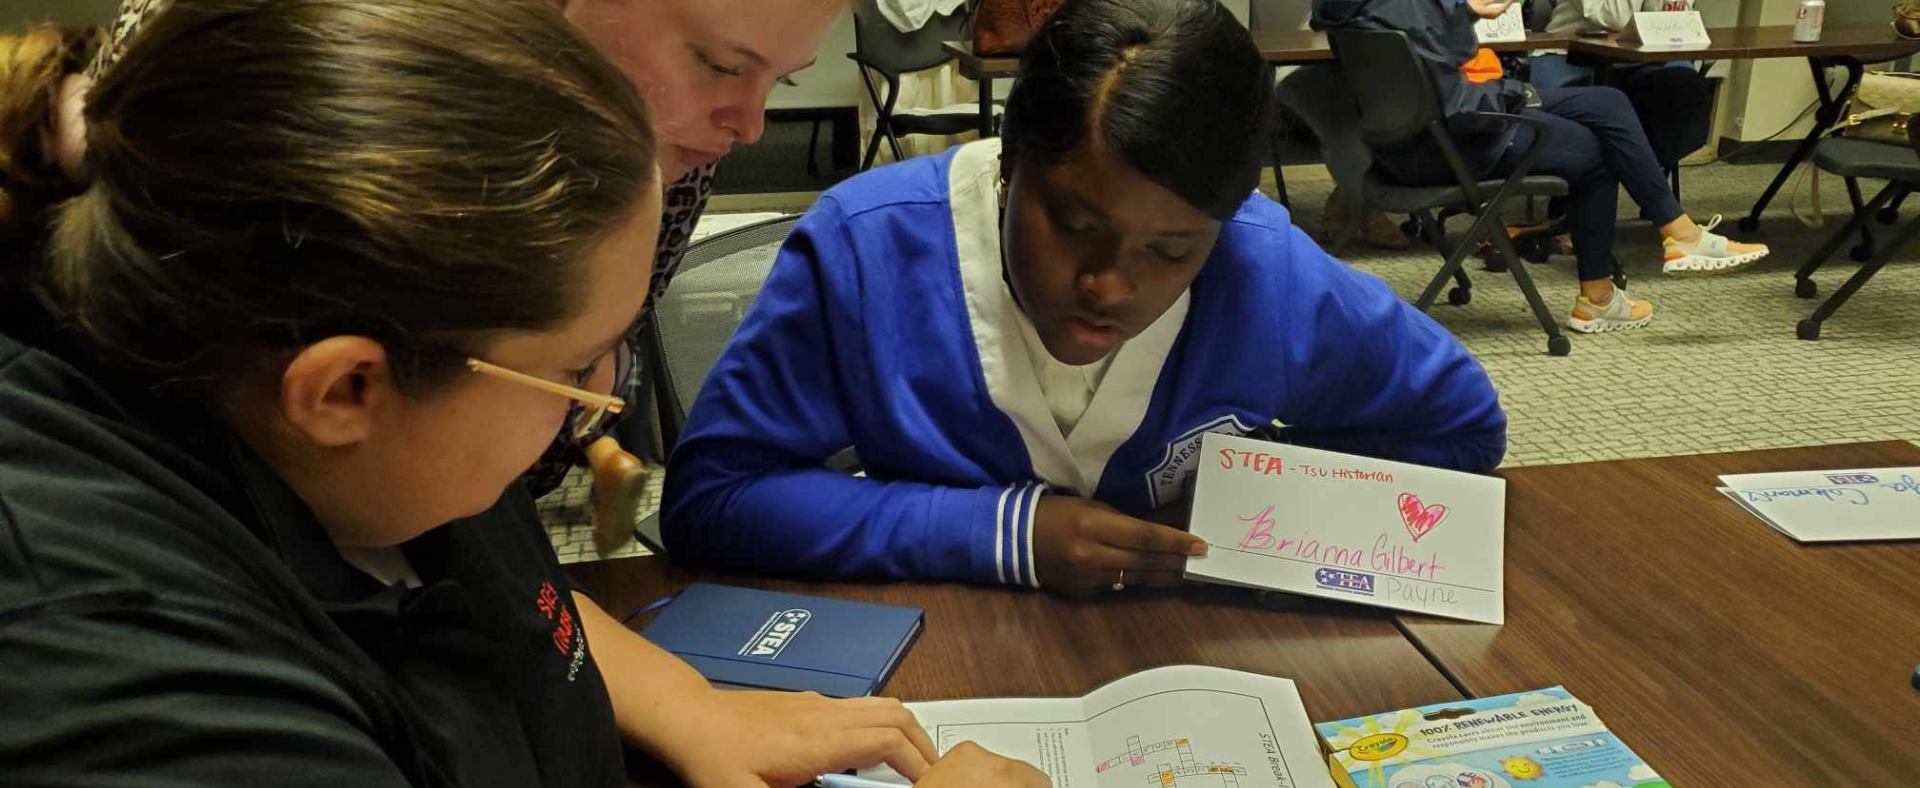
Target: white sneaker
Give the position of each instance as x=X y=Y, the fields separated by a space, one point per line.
x=1708 y=255
x=1619 y=314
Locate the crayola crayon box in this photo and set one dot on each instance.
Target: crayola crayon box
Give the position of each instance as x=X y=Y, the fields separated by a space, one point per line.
x=1541 y=739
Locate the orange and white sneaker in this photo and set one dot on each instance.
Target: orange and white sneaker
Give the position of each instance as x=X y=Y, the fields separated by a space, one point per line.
x=1710 y=254
x=1619 y=313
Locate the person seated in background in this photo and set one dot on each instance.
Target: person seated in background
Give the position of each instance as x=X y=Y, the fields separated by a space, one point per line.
x=1572 y=17
x=285 y=295
x=1319 y=95
x=1024 y=339
x=1598 y=146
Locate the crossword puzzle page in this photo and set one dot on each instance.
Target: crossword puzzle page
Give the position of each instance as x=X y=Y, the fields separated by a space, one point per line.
x=1183 y=726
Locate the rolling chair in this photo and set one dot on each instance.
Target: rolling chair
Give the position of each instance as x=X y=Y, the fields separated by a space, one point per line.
x=880 y=48
x=1400 y=104
x=717 y=283
x=1899 y=166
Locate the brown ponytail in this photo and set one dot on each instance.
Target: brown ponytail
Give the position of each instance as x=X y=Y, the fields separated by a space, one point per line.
x=32 y=65
x=268 y=173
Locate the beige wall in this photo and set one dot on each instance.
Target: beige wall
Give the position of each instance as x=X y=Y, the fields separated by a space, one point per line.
x=15 y=12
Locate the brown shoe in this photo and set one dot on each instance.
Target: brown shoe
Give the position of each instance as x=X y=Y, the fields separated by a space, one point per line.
x=1380 y=232
x=1333 y=219
x=1383 y=233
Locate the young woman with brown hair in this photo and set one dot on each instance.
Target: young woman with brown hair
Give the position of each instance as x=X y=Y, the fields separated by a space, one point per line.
x=294 y=287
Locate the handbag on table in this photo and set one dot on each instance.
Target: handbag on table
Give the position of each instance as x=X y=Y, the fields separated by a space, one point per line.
x=1906 y=19
x=1881 y=107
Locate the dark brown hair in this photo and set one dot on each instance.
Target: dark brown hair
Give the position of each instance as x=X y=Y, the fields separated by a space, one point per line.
x=1175 y=88
x=268 y=173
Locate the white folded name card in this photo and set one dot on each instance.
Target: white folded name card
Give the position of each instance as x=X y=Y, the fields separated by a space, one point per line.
x=1358 y=529
x=1508 y=26
x=1676 y=30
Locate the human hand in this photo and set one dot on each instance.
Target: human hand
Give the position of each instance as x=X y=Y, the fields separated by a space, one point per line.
x=1173 y=515
x=968 y=765
x=747 y=739
x=1081 y=546
x=1490 y=9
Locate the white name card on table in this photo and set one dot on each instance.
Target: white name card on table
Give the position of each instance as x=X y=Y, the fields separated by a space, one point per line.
x=1510 y=25
x=1676 y=30
x=1833 y=506
x=1324 y=524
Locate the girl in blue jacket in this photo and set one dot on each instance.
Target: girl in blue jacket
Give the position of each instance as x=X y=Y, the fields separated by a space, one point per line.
x=1024 y=339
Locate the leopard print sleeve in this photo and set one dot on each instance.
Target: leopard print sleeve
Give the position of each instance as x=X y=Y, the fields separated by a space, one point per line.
x=681 y=205
x=134 y=14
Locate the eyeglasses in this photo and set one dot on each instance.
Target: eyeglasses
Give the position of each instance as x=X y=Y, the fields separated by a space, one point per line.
x=587 y=418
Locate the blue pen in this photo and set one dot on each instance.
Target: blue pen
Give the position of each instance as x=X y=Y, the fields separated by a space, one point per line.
x=850 y=781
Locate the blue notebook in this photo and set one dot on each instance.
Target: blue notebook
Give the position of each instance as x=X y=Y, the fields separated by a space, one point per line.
x=742 y=637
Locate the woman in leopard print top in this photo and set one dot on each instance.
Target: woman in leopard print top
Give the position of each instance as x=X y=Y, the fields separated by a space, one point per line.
x=705 y=67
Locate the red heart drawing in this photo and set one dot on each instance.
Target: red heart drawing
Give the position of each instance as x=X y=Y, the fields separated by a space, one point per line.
x=1420 y=518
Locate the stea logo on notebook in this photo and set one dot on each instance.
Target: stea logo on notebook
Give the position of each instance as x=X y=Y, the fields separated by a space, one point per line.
x=1337 y=580
x=774 y=635
x=1853 y=478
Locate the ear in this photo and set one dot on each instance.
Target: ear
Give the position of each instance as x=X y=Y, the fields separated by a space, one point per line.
x=332 y=392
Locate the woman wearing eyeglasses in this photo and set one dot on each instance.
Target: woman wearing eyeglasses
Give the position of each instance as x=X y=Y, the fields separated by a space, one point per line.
x=292 y=289
x=706 y=68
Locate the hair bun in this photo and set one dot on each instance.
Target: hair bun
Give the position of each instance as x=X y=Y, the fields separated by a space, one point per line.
x=34 y=70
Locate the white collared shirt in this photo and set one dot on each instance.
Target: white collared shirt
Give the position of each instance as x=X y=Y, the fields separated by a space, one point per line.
x=1067 y=389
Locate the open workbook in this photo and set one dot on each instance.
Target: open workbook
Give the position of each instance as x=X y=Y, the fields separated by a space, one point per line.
x=1183 y=726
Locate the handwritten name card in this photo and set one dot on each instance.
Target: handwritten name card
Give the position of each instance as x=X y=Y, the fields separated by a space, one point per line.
x=1510 y=25
x=1833 y=506
x=1320 y=523
x=1667 y=30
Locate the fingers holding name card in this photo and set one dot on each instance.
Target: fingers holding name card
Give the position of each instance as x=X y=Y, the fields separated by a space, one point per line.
x=1082 y=546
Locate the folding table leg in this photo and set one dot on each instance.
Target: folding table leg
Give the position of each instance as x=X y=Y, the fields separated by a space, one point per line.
x=1824 y=118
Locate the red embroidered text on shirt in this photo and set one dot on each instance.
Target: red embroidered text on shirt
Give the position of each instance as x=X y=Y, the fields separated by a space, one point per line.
x=549 y=604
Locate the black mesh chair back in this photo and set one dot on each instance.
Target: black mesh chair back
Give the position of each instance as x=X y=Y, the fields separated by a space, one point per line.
x=1400 y=108
x=694 y=319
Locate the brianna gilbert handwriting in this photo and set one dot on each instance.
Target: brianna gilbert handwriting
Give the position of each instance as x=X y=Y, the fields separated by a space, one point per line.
x=1384 y=557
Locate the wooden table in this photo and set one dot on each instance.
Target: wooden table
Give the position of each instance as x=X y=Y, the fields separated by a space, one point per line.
x=1849 y=48
x=982 y=642
x=1866 y=44
x=1723 y=652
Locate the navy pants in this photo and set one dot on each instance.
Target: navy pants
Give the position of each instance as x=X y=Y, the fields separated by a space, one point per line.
x=1597 y=146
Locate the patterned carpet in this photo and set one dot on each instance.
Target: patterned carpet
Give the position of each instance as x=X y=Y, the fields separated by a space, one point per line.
x=1719 y=369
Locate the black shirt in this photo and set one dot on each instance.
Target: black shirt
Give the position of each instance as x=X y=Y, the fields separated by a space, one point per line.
x=171 y=613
